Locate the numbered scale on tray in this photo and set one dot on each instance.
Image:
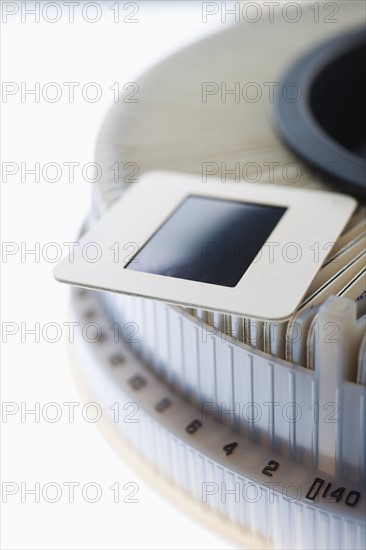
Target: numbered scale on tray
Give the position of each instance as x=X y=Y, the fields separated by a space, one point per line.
x=227 y=469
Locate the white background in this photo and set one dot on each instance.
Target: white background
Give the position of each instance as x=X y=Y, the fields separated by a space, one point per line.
x=41 y=212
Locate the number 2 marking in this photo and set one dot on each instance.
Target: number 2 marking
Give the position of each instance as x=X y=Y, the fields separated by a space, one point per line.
x=272 y=466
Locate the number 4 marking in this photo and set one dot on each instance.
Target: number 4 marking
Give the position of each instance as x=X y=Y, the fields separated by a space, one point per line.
x=229 y=448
